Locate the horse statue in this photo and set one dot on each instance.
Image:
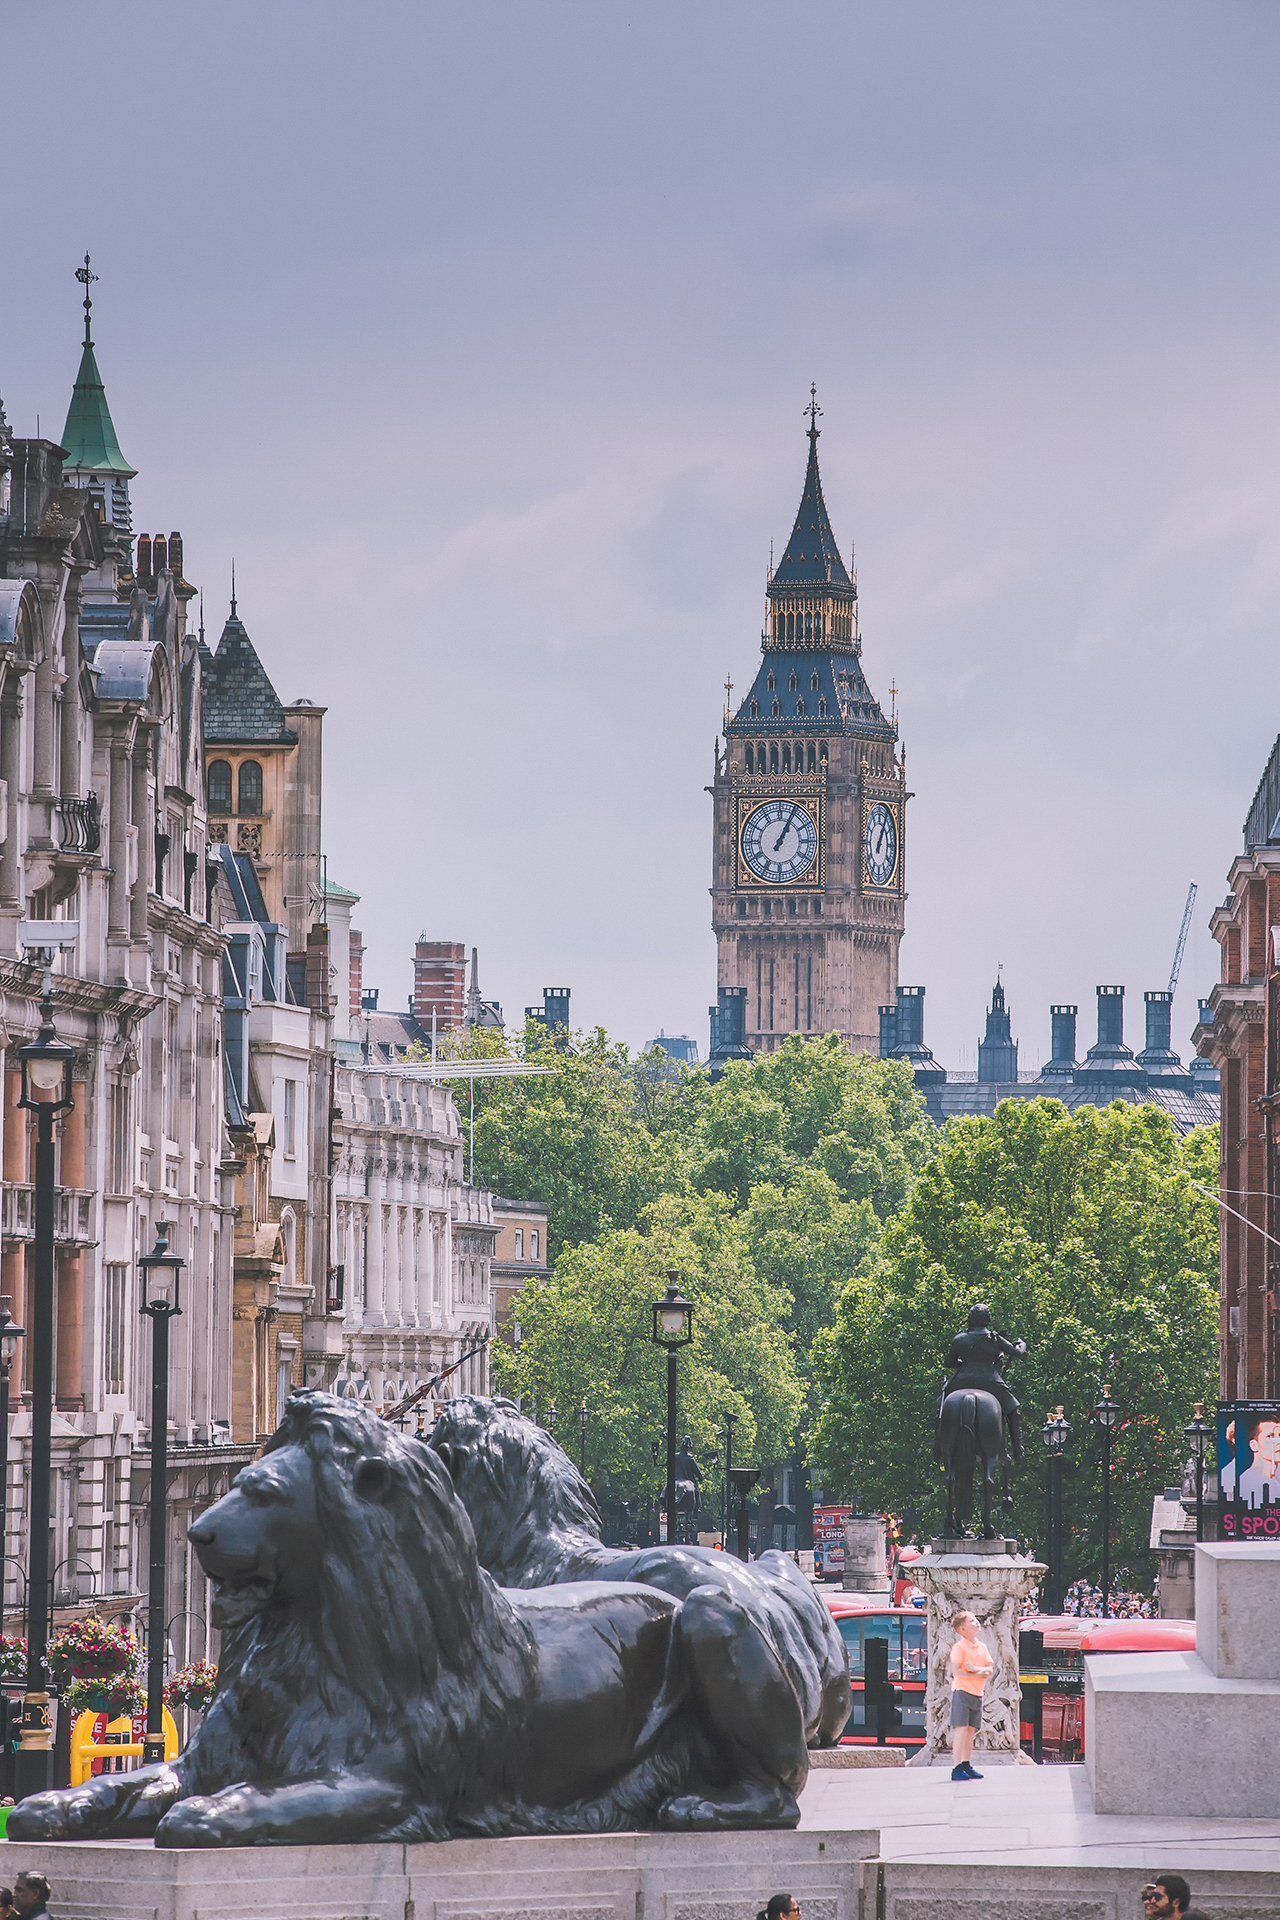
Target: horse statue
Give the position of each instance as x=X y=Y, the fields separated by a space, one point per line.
x=978 y=1409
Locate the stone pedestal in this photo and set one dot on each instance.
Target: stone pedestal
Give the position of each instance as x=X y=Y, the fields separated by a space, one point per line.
x=983 y=1578
x=1195 y=1734
x=864 y=1554
x=620 y=1876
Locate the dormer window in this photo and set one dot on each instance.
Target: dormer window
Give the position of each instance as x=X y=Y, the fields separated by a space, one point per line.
x=771 y=683
x=800 y=706
x=219 y=786
x=813 y=682
x=755 y=709
x=776 y=709
x=822 y=708
x=792 y=684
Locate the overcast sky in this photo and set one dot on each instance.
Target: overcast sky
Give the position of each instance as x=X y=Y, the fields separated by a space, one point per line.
x=480 y=336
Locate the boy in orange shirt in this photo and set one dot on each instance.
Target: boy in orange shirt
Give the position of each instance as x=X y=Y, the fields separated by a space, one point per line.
x=971 y=1664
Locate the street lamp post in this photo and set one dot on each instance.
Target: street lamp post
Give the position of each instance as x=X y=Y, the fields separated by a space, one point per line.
x=1055 y=1433
x=1108 y=1416
x=742 y=1479
x=582 y=1445
x=1198 y=1432
x=672 y=1329
x=160 y=1286
x=730 y=1422
x=46 y=1092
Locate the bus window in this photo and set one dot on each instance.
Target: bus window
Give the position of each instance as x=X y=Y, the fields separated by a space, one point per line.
x=857 y=1629
x=915 y=1657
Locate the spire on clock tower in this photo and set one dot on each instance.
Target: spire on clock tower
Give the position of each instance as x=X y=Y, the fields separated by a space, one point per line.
x=811 y=556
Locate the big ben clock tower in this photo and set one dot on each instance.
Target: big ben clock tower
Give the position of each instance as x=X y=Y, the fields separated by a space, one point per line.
x=809 y=884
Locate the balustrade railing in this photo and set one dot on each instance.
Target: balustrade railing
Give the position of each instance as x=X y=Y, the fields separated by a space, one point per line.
x=72 y=1214
x=81 y=824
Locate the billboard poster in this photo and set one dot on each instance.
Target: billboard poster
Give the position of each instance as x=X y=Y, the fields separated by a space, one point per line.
x=828 y=1540
x=1249 y=1469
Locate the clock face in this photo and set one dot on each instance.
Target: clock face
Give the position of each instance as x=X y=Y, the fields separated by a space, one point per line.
x=880 y=844
x=779 y=841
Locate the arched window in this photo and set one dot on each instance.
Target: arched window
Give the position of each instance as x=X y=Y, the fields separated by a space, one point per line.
x=786 y=757
x=250 y=787
x=822 y=751
x=773 y=758
x=822 y=707
x=812 y=768
x=800 y=706
x=813 y=681
x=776 y=709
x=771 y=683
x=755 y=709
x=219 y=786
x=289 y=1234
x=750 y=758
x=792 y=683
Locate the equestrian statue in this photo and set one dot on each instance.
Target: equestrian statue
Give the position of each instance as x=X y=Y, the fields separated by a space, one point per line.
x=978 y=1411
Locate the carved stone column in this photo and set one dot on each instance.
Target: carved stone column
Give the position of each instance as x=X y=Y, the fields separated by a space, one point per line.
x=118 y=907
x=42 y=784
x=70 y=755
x=11 y=769
x=990 y=1585
x=144 y=825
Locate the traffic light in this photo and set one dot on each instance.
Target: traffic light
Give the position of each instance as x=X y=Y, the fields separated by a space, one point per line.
x=883 y=1700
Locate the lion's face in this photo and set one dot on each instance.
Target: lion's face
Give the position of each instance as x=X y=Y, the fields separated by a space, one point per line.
x=261 y=1543
x=476 y=1437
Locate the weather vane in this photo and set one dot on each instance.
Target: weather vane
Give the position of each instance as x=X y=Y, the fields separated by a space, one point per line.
x=86 y=279
x=728 y=696
x=814 y=411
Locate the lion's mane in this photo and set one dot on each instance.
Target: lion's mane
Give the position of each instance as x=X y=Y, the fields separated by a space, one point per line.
x=409 y=1666
x=535 y=1518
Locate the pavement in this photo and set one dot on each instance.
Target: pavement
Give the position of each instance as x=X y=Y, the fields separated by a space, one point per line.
x=1017 y=1816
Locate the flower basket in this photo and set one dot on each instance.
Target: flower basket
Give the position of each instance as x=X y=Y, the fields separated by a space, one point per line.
x=89 y=1649
x=119 y=1698
x=193 y=1686
x=13 y=1657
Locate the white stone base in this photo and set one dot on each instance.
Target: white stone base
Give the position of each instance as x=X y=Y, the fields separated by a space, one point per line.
x=1165 y=1735
x=624 y=1876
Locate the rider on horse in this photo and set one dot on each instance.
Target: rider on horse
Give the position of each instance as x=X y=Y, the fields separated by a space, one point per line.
x=978 y=1355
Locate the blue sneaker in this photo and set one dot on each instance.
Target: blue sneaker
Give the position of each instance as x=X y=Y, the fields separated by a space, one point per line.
x=970 y=1771
x=962 y=1773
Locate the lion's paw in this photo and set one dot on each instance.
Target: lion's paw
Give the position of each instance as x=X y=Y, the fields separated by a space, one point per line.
x=197 y=1822
x=692 y=1813
x=75 y=1813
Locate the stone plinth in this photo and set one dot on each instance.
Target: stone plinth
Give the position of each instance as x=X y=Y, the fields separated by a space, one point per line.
x=991 y=1585
x=864 y=1554
x=1238 y=1608
x=658 y=1876
x=1195 y=1734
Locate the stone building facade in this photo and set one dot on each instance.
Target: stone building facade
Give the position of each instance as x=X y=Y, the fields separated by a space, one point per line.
x=1240 y=1032
x=103 y=824
x=809 y=862
x=415 y=1243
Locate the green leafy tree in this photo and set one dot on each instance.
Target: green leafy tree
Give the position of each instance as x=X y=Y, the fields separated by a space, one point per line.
x=1087 y=1235
x=585 y=1335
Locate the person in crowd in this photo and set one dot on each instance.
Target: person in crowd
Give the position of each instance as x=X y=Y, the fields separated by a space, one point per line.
x=971 y=1665
x=7 y=1908
x=31 y=1895
x=1166 y=1896
x=781 y=1907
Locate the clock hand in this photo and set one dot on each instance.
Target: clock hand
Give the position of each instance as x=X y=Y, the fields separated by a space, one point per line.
x=785 y=828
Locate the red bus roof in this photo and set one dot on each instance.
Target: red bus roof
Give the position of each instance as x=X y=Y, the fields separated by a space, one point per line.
x=843 y=1604
x=1069 y=1632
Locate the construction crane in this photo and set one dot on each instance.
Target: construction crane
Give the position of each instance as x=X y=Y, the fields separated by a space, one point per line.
x=1182 y=937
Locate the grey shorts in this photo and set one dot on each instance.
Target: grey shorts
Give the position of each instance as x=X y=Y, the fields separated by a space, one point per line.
x=966 y=1708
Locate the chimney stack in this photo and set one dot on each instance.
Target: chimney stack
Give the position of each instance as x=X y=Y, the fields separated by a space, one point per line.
x=161 y=554
x=1063 y=1023
x=145 y=575
x=175 y=555
x=888 y=1031
x=1110 y=1016
x=1159 y=1022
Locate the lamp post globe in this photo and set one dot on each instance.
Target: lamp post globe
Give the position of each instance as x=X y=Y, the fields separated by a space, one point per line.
x=161 y=1271
x=1107 y=1415
x=672 y=1329
x=1198 y=1434
x=1055 y=1433
x=46 y=1064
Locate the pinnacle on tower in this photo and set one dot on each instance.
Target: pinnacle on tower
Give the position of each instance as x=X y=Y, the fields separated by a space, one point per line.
x=811 y=556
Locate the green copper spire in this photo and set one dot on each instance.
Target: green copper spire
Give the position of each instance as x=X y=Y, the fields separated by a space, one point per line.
x=89 y=435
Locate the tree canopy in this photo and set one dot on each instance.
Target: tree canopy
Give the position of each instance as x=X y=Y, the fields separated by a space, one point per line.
x=1087 y=1237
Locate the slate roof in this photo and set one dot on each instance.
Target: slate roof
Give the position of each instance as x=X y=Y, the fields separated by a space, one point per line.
x=812 y=557
x=851 y=707
x=89 y=436
x=240 y=703
x=1186 y=1110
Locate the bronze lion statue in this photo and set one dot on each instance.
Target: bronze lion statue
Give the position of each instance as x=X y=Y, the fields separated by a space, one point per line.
x=536 y=1523
x=376 y=1684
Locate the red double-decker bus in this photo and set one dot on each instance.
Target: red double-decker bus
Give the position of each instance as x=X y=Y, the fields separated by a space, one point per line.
x=861 y=1617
